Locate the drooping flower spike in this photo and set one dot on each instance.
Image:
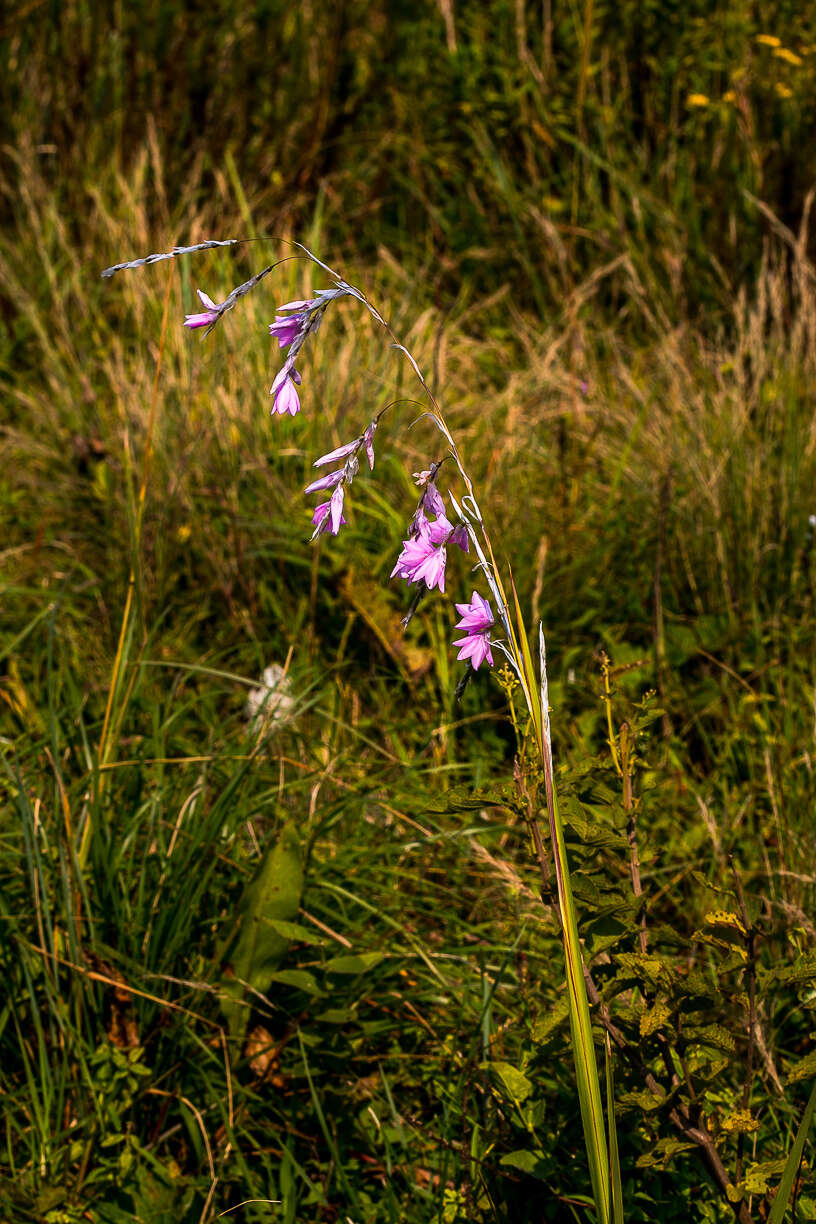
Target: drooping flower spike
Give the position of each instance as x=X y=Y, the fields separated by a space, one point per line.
x=294 y=321
x=339 y=479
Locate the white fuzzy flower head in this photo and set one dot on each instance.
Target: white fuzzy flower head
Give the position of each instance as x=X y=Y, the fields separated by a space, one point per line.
x=272 y=703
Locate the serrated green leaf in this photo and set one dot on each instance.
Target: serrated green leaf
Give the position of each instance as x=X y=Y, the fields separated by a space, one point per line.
x=712 y=1035
x=736 y=956
x=727 y=919
x=515 y=1082
x=553 y=1019
x=760 y=1177
x=640 y=968
x=653 y=1018
x=806 y=1069
x=643 y=1099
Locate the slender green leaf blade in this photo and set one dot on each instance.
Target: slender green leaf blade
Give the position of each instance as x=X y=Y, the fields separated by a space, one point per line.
x=792 y=1163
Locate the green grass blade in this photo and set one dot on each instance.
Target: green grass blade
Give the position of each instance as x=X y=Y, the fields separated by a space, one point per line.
x=792 y=1163
x=614 y=1160
x=526 y=664
x=583 y=1047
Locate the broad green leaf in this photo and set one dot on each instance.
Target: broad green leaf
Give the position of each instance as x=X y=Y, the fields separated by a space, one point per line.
x=643 y=1099
x=637 y=967
x=337 y=1015
x=526 y=1162
x=661 y=1154
x=791 y=1169
x=295 y=933
x=354 y=964
x=583 y=1047
x=299 y=978
x=255 y=949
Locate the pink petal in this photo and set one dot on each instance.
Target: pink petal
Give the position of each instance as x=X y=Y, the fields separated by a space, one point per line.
x=325 y=482
x=295 y=305
x=336 y=508
x=287 y=399
x=340 y=453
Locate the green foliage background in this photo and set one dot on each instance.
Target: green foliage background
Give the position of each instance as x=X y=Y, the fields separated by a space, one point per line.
x=590 y=225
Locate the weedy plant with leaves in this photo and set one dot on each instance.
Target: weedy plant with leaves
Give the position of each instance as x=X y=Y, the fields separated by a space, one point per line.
x=668 y=1026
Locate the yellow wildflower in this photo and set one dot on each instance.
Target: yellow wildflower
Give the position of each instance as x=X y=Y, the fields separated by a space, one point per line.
x=696 y=99
x=783 y=91
x=769 y=40
x=789 y=56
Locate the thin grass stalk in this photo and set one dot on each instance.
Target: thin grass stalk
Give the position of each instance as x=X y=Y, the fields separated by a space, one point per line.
x=111 y=721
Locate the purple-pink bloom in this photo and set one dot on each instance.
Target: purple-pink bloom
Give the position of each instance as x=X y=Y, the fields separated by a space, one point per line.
x=286 y=397
x=441 y=531
x=286 y=329
x=422 y=560
x=459 y=537
x=432 y=501
x=475 y=647
x=477 y=616
x=323 y=522
x=477 y=621
x=287 y=370
x=205 y=317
